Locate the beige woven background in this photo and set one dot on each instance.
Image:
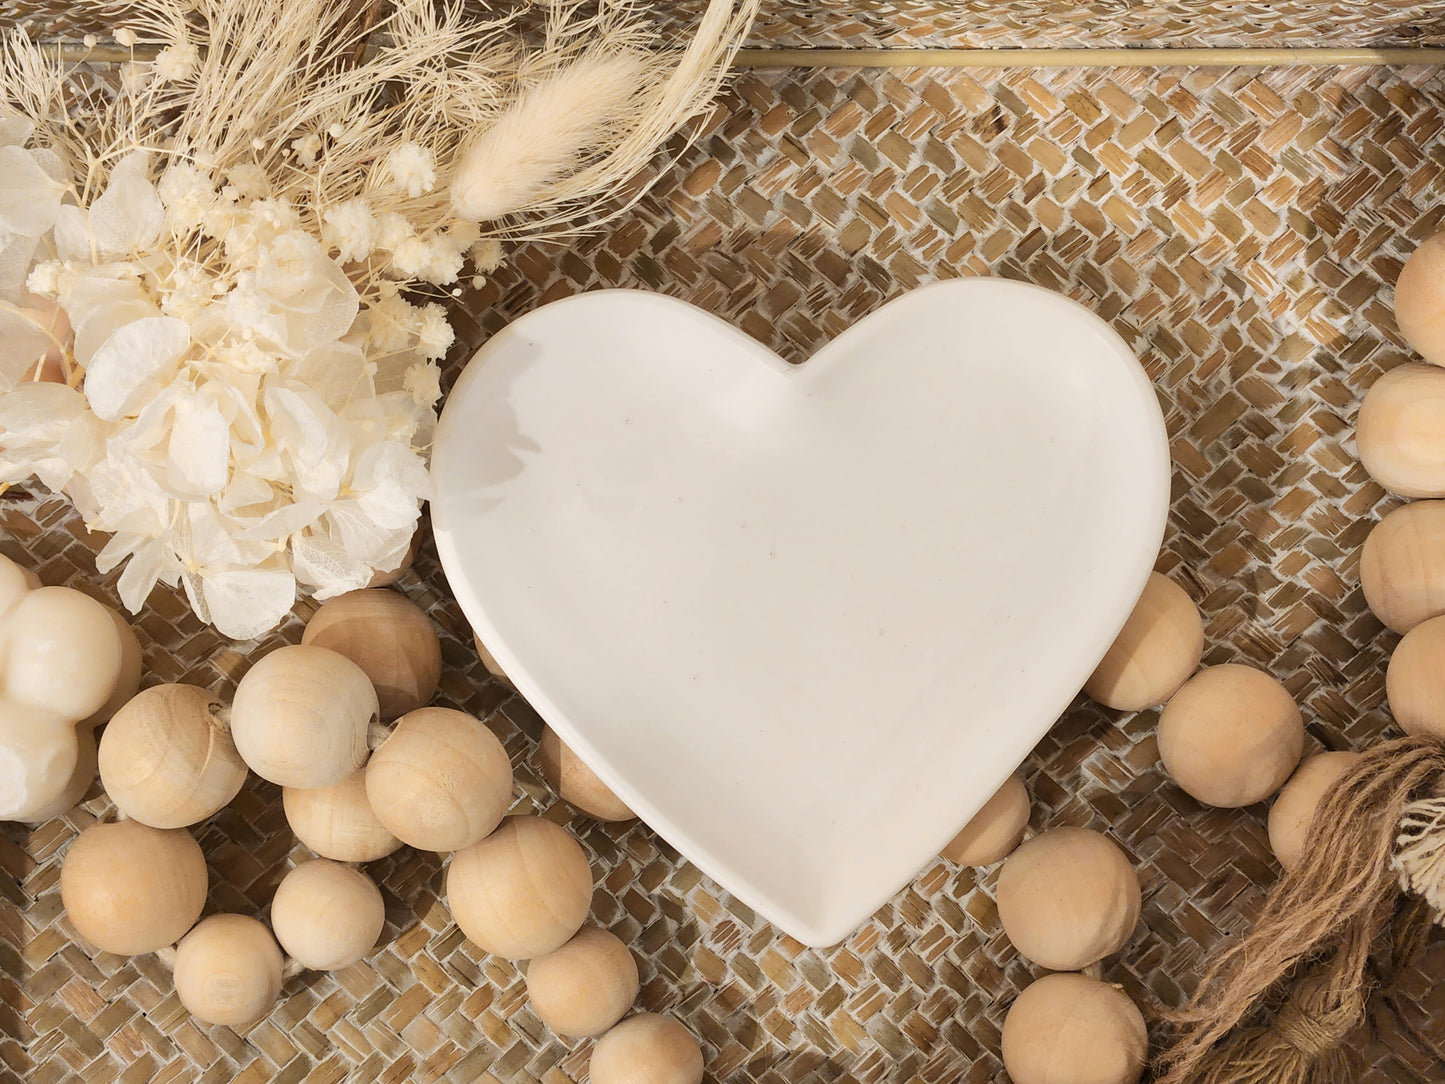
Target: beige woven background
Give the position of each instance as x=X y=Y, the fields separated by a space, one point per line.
x=1239 y=228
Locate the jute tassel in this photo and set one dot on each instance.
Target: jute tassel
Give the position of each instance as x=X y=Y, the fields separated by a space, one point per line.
x=1276 y=1006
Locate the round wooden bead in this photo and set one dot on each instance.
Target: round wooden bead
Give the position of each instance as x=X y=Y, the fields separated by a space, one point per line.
x=167 y=760
x=1067 y=898
x=128 y=888
x=337 y=821
x=1289 y=817
x=387 y=577
x=441 y=781
x=1402 y=567
x=575 y=783
x=1415 y=680
x=1071 y=1029
x=229 y=970
x=1156 y=651
x=492 y=666
x=300 y=716
x=1420 y=300
x=1400 y=434
x=390 y=638
x=647 y=1049
x=995 y=830
x=63 y=653
x=523 y=891
x=584 y=987
x=327 y=916
x=1231 y=736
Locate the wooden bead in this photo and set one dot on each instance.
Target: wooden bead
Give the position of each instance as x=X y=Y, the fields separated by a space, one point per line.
x=1402 y=567
x=300 y=716
x=337 y=821
x=1068 y=898
x=1420 y=300
x=63 y=653
x=387 y=577
x=523 y=891
x=327 y=916
x=492 y=666
x=1156 y=651
x=128 y=888
x=167 y=760
x=1400 y=434
x=388 y=636
x=584 y=987
x=575 y=783
x=1289 y=817
x=995 y=830
x=647 y=1049
x=229 y=971
x=1231 y=736
x=1071 y=1029
x=1415 y=680
x=441 y=781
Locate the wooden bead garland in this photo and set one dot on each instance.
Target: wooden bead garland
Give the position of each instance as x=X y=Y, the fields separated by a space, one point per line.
x=1420 y=300
x=584 y=987
x=1072 y=1029
x=1402 y=567
x=326 y=915
x=1415 y=679
x=1158 y=648
x=1289 y=817
x=228 y=970
x=1400 y=434
x=576 y=783
x=993 y=833
x=647 y=1049
x=337 y=822
x=390 y=638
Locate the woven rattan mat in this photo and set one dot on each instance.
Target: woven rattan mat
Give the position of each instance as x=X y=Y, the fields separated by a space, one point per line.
x=1238 y=228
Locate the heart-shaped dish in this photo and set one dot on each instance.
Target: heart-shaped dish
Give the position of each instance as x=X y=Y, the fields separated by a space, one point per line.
x=804 y=620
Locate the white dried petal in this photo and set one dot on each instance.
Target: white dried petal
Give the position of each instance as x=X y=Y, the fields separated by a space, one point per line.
x=244 y=603
x=15 y=131
x=128 y=216
x=136 y=361
x=391 y=481
x=326 y=567
x=199 y=454
x=94 y=326
x=29 y=197
x=16 y=252
x=338 y=372
x=23 y=341
x=72 y=235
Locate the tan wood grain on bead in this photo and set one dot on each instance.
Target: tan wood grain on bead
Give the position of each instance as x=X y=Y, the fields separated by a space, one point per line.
x=993 y=833
x=390 y=638
x=492 y=666
x=167 y=759
x=647 y=1049
x=129 y=888
x=229 y=970
x=584 y=987
x=441 y=781
x=1420 y=300
x=1155 y=652
x=326 y=915
x=1289 y=817
x=1072 y=1029
x=300 y=716
x=337 y=821
x=575 y=783
x=1400 y=434
x=1415 y=680
x=523 y=891
x=1402 y=567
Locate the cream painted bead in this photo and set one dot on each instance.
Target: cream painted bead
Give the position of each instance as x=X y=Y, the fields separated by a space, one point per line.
x=1071 y=1029
x=995 y=830
x=441 y=781
x=167 y=759
x=1068 y=898
x=1415 y=680
x=388 y=636
x=523 y=891
x=1156 y=651
x=1289 y=817
x=128 y=888
x=229 y=971
x=575 y=783
x=16 y=581
x=300 y=716
x=584 y=987
x=1420 y=300
x=492 y=666
x=337 y=821
x=81 y=777
x=62 y=653
x=327 y=916
x=39 y=756
x=1402 y=567
x=1400 y=434
x=1231 y=736
x=646 y=1049
x=127 y=682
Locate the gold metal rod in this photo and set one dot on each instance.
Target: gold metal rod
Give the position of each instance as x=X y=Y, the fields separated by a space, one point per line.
x=1083 y=58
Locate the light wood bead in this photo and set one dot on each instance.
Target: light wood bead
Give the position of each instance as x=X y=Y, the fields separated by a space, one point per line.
x=300 y=716
x=441 y=781
x=1415 y=680
x=1071 y=1029
x=492 y=666
x=167 y=760
x=584 y=987
x=1420 y=300
x=1289 y=817
x=1067 y=898
x=647 y=1049
x=327 y=916
x=390 y=638
x=1231 y=736
x=1400 y=434
x=523 y=891
x=128 y=888
x=995 y=830
x=229 y=971
x=575 y=783
x=337 y=821
x=1155 y=652
x=1402 y=567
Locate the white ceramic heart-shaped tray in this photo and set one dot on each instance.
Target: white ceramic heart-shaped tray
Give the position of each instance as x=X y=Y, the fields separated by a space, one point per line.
x=804 y=620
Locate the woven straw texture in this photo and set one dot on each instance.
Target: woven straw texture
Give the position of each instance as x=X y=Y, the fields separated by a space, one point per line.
x=1239 y=229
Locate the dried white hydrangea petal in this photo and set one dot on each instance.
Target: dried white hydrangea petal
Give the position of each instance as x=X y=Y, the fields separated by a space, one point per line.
x=47 y=432
x=199 y=453
x=338 y=372
x=15 y=131
x=391 y=481
x=326 y=567
x=23 y=341
x=134 y=363
x=150 y=562
x=129 y=215
x=93 y=326
x=73 y=241
x=29 y=196
x=16 y=252
x=246 y=602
